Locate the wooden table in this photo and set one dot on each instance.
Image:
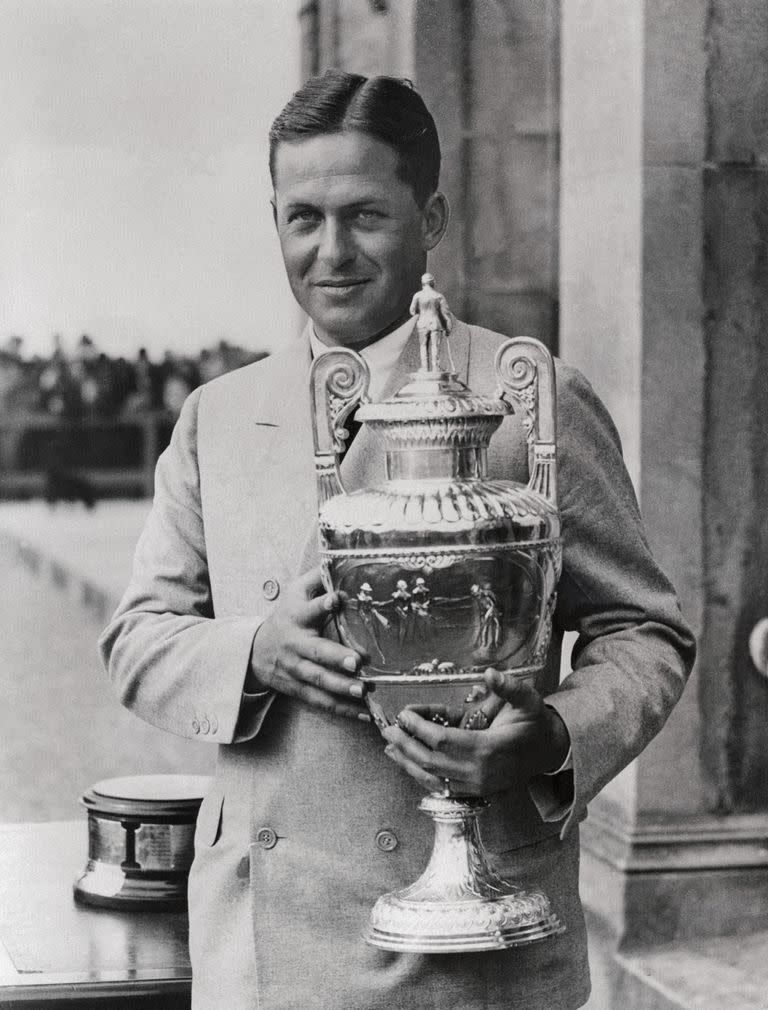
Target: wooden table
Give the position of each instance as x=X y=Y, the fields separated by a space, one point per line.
x=55 y=953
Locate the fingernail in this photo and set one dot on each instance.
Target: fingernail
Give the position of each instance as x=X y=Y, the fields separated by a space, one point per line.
x=402 y=721
x=356 y=690
x=389 y=751
x=329 y=602
x=350 y=663
x=364 y=717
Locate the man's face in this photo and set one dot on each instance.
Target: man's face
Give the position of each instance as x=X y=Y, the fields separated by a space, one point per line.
x=353 y=238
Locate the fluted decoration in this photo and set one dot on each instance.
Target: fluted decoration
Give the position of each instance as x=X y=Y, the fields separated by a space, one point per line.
x=526 y=371
x=544 y=472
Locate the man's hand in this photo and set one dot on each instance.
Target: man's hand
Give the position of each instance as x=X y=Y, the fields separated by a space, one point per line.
x=525 y=738
x=290 y=655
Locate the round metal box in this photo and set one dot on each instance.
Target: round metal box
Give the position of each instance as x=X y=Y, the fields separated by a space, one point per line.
x=140 y=841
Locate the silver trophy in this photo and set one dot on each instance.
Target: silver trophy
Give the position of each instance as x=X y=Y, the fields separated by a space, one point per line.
x=443 y=573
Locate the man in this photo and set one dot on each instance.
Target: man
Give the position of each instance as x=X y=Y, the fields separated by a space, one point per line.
x=219 y=636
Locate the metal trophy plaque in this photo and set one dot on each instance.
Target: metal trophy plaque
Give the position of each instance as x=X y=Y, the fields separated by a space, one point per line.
x=443 y=573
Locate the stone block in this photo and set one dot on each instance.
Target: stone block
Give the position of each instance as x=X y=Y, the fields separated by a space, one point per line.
x=650 y=907
x=699 y=974
x=601 y=86
x=674 y=106
x=668 y=774
x=514 y=60
x=513 y=212
x=601 y=292
x=738 y=81
x=364 y=37
x=532 y=314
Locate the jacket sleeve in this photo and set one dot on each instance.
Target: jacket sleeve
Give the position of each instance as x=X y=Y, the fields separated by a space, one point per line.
x=634 y=651
x=172 y=662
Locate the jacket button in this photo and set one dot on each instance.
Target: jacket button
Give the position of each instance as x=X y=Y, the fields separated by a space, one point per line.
x=266 y=838
x=271 y=589
x=195 y=726
x=386 y=841
x=205 y=726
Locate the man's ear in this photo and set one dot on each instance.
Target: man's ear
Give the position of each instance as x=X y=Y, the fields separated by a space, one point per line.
x=435 y=217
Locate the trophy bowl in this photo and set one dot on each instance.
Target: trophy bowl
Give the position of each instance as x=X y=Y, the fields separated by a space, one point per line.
x=443 y=574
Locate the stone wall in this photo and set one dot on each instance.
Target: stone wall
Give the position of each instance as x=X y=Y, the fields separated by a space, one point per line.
x=664 y=300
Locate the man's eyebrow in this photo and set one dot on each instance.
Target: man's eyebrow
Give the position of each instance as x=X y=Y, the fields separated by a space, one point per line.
x=366 y=201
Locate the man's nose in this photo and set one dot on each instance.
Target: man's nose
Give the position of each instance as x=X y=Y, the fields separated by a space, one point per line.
x=336 y=247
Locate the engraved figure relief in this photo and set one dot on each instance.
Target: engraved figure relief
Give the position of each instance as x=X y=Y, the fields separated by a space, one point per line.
x=421 y=607
x=489 y=632
x=401 y=603
x=371 y=617
x=412 y=615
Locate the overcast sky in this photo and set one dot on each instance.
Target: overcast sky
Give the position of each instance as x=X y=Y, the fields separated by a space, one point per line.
x=133 y=183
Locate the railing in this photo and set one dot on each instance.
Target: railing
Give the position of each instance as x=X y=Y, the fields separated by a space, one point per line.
x=116 y=455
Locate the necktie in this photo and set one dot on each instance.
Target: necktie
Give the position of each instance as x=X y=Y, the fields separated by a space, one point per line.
x=353 y=426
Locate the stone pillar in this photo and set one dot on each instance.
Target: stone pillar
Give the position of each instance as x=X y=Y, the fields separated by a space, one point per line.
x=664 y=296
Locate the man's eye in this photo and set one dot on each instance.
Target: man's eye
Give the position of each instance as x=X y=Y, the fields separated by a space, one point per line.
x=368 y=215
x=304 y=216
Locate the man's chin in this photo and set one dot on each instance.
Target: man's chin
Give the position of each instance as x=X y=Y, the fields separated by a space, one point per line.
x=345 y=330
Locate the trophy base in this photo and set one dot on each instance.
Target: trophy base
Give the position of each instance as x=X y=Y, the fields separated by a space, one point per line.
x=107 y=886
x=438 y=943
x=459 y=904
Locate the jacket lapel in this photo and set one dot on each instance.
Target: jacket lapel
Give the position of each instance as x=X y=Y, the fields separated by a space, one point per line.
x=287 y=468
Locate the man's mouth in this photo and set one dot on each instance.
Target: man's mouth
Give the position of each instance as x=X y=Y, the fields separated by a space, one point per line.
x=341 y=285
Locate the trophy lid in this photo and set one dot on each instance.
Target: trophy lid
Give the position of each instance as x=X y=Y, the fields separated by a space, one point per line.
x=429 y=396
x=155 y=795
x=433 y=393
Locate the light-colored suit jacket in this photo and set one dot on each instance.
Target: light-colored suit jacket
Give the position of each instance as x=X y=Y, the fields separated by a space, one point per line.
x=289 y=856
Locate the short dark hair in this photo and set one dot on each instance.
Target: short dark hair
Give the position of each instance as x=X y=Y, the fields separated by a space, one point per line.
x=387 y=108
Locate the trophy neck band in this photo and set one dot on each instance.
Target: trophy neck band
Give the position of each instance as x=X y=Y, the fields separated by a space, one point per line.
x=442 y=462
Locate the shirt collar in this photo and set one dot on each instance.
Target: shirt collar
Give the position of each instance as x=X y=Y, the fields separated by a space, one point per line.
x=382 y=355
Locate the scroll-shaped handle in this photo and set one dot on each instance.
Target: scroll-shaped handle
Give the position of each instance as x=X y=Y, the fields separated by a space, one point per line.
x=338 y=383
x=525 y=369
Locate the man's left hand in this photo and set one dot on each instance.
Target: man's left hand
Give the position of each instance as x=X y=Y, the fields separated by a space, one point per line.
x=525 y=738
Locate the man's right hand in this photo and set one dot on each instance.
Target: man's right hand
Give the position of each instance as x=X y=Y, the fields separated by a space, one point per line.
x=290 y=655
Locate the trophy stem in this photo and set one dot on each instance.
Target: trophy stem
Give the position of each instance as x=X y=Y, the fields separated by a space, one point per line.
x=459 y=903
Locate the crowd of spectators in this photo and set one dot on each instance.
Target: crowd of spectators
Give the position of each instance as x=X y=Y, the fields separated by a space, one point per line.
x=88 y=382
x=67 y=415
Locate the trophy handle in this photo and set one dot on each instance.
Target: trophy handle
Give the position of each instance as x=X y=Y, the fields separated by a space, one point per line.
x=338 y=383
x=525 y=369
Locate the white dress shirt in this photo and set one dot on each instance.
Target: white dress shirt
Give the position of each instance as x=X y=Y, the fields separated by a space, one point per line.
x=381 y=356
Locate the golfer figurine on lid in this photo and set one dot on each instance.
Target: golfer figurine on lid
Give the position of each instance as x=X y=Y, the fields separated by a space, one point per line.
x=443 y=573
